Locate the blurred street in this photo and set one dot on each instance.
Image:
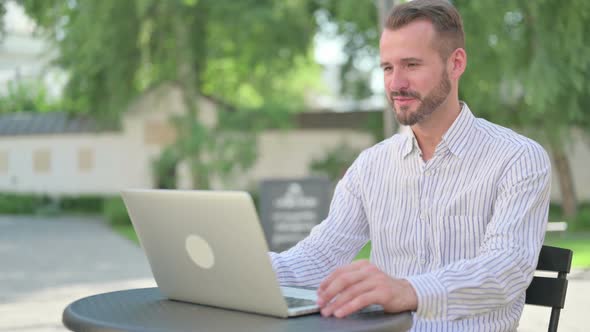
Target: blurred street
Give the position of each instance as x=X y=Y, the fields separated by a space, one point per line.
x=48 y=263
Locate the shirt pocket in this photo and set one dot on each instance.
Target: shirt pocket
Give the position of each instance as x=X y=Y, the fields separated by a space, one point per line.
x=459 y=237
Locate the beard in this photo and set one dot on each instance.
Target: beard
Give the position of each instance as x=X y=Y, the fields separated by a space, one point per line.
x=427 y=105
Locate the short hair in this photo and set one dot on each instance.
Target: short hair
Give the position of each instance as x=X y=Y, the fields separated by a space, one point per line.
x=441 y=13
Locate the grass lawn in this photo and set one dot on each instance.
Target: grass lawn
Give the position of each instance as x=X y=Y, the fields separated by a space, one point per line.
x=365 y=252
x=127 y=232
x=578 y=242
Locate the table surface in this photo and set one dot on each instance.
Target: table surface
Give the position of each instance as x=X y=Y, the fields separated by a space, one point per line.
x=147 y=309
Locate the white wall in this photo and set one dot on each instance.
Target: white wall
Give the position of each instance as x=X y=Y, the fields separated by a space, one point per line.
x=289 y=153
x=122 y=161
x=64 y=176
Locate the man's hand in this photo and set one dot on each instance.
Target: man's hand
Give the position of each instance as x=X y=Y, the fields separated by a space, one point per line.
x=357 y=285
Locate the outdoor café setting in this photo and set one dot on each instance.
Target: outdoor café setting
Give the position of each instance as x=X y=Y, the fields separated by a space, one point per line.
x=294 y=165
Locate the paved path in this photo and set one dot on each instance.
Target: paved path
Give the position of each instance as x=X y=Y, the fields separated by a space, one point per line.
x=46 y=263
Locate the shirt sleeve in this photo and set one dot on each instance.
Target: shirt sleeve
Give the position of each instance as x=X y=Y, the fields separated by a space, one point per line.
x=332 y=243
x=508 y=256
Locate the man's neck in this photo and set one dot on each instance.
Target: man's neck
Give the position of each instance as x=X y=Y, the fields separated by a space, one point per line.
x=429 y=132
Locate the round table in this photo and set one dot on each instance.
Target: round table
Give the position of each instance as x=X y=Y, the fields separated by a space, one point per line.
x=147 y=310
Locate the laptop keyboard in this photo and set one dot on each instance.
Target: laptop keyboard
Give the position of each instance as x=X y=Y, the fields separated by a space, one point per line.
x=293 y=302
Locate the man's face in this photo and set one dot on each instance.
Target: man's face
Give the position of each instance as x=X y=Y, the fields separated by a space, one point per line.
x=415 y=76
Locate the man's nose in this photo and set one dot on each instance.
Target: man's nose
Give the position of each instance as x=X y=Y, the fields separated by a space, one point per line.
x=397 y=81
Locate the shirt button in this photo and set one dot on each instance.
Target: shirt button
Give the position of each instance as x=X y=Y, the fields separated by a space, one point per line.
x=422 y=261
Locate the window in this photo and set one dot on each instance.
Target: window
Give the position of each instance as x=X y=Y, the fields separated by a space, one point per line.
x=3 y=162
x=85 y=159
x=159 y=133
x=42 y=161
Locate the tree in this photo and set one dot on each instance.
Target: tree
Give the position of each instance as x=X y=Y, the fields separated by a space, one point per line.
x=531 y=64
x=250 y=57
x=360 y=23
x=27 y=96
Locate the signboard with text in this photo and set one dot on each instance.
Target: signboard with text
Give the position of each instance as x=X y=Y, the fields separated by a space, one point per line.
x=291 y=208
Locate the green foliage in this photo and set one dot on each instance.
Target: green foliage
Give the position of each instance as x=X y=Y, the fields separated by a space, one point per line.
x=164 y=169
x=115 y=212
x=95 y=43
x=356 y=22
x=128 y=232
x=21 y=203
x=335 y=162
x=243 y=53
x=27 y=97
x=90 y=204
x=2 y=12
x=581 y=221
x=365 y=252
x=578 y=242
x=529 y=62
x=555 y=212
x=375 y=126
x=43 y=204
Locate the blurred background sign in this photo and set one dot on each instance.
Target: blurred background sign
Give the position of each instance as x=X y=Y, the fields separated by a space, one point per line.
x=290 y=208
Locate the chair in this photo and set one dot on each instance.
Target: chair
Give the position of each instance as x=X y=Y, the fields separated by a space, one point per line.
x=547 y=291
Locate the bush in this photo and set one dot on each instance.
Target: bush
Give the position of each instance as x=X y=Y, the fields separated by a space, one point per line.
x=115 y=212
x=45 y=205
x=335 y=162
x=22 y=203
x=82 y=204
x=555 y=212
x=164 y=169
x=28 y=96
x=581 y=221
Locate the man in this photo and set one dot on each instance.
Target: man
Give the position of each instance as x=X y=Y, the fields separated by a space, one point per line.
x=455 y=211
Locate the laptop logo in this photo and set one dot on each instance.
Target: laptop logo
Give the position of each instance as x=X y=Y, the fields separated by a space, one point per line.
x=199 y=251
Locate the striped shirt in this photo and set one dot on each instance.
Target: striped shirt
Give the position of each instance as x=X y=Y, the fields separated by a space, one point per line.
x=464 y=228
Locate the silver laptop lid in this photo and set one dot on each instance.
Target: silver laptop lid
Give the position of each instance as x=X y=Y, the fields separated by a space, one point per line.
x=206 y=247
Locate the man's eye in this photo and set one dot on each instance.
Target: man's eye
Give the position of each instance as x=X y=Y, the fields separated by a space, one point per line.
x=411 y=65
x=387 y=69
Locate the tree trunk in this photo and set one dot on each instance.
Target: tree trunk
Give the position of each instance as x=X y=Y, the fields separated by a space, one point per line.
x=189 y=65
x=566 y=183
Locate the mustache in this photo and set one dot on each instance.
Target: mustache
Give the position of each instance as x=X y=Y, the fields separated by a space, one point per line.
x=405 y=93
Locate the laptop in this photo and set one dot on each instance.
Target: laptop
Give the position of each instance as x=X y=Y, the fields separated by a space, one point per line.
x=208 y=247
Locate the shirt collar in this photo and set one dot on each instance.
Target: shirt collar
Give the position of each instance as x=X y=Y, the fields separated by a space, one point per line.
x=455 y=139
x=457 y=136
x=410 y=143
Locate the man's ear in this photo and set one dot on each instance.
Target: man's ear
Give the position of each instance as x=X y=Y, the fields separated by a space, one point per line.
x=457 y=63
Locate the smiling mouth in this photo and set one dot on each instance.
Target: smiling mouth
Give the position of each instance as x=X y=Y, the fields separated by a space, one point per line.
x=403 y=100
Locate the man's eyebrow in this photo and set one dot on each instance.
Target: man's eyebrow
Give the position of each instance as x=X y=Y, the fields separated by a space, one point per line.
x=406 y=60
